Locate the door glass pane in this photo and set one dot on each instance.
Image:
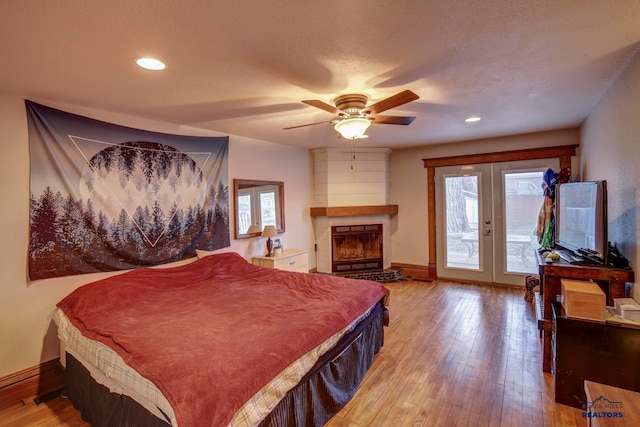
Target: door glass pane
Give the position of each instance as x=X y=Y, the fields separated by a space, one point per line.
x=523 y=199
x=461 y=222
x=244 y=213
x=268 y=208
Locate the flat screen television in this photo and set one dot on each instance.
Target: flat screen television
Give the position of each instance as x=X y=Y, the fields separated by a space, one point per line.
x=581 y=219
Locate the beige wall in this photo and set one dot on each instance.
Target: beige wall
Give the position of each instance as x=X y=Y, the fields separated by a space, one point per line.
x=27 y=334
x=611 y=151
x=409 y=238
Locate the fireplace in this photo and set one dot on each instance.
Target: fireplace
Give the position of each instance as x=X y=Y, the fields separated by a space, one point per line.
x=356 y=248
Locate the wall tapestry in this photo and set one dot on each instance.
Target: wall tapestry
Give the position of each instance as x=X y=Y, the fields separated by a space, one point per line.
x=107 y=197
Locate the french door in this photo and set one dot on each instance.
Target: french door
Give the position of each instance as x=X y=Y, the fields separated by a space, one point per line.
x=257 y=206
x=486 y=216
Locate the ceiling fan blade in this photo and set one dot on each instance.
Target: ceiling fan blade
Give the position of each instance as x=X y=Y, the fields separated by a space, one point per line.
x=392 y=120
x=391 y=102
x=309 y=124
x=323 y=106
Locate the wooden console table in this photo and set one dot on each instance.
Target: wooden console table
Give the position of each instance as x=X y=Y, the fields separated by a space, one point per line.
x=611 y=280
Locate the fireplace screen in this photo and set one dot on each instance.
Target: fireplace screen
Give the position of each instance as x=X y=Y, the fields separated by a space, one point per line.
x=356 y=247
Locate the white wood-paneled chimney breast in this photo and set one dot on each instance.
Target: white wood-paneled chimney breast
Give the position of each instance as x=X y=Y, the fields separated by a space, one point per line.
x=350 y=177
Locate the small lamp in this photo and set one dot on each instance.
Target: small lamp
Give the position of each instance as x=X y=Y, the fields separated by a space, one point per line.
x=269 y=232
x=253 y=229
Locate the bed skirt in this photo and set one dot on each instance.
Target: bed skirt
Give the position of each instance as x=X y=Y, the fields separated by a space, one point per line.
x=326 y=388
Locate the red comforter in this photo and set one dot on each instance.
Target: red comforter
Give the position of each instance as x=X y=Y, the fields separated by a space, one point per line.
x=212 y=333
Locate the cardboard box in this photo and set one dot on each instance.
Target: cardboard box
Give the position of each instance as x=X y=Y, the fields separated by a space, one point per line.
x=583 y=300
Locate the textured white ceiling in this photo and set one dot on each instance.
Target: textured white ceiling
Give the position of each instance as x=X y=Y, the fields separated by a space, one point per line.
x=242 y=67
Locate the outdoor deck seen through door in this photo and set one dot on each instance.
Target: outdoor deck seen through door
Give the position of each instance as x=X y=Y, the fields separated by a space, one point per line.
x=486 y=218
x=464 y=222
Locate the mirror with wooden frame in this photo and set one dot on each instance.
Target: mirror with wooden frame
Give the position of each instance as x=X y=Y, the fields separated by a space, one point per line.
x=257 y=204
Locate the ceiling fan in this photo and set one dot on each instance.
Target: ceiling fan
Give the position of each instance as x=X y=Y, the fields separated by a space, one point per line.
x=355 y=116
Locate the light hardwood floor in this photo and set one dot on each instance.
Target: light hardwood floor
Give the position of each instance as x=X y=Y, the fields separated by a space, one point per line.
x=458 y=355
x=454 y=355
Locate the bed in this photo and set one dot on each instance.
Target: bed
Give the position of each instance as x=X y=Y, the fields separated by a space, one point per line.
x=218 y=342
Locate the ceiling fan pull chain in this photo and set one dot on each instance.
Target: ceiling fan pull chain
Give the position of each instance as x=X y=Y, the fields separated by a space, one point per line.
x=353 y=155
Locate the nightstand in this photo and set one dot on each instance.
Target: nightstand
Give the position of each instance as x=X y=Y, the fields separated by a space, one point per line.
x=290 y=260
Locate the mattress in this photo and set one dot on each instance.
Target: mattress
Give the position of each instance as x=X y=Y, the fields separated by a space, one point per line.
x=107 y=368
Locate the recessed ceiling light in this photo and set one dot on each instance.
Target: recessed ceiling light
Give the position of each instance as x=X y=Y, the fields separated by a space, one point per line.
x=473 y=119
x=151 y=64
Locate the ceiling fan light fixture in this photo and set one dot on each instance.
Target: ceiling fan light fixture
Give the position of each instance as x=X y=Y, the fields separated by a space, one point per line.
x=352 y=128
